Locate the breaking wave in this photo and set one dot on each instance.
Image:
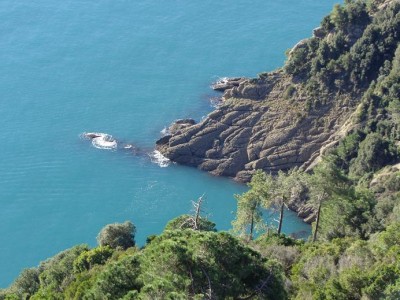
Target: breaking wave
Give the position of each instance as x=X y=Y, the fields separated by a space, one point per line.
x=165 y=131
x=101 y=140
x=157 y=158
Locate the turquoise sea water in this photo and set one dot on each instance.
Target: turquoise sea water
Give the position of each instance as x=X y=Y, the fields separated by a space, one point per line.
x=127 y=68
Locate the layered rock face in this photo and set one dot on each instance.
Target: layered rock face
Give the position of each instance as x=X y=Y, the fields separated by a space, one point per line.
x=290 y=117
x=262 y=124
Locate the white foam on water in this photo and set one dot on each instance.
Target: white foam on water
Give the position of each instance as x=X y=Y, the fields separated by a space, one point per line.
x=157 y=158
x=100 y=140
x=101 y=143
x=216 y=102
x=219 y=80
x=104 y=141
x=165 y=131
x=222 y=79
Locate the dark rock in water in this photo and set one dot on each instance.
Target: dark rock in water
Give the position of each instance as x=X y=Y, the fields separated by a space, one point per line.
x=227 y=83
x=165 y=139
x=91 y=135
x=185 y=121
x=179 y=125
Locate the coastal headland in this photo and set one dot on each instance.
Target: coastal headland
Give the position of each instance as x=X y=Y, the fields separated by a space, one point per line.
x=294 y=115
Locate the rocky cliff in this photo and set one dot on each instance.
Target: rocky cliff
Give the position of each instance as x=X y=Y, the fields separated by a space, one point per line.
x=261 y=124
x=290 y=117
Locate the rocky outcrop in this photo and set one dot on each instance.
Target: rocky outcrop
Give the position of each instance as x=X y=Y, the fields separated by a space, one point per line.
x=257 y=126
x=282 y=120
x=301 y=44
x=319 y=32
x=179 y=125
x=227 y=83
x=382 y=176
x=254 y=128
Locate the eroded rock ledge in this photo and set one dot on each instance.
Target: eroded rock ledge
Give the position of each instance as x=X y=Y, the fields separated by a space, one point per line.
x=263 y=124
x=256 y=127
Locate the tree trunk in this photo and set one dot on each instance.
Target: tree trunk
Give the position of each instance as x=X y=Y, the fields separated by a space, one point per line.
x=251 y=227
x=197 y=206
x=317 y=222
x=281 y=218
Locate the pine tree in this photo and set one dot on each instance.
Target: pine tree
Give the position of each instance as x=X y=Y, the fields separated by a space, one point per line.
x=326 y=182
x=249 y=216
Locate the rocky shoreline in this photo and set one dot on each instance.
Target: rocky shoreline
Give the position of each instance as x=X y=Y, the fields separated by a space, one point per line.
x=253 y=132
x=261 y=123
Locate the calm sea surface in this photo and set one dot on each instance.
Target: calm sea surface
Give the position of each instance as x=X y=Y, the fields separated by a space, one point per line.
x=127 y=68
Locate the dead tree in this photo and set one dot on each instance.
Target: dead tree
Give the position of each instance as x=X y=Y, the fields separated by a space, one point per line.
x=193 y=220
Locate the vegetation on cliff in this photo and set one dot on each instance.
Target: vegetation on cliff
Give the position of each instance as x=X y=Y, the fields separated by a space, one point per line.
x=342 y=136
x=353 y=257
x=178 y=264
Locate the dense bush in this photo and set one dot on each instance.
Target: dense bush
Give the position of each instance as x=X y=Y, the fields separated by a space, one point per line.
x=207 y=264
x=26 y=284
x=347 y=149
x=353 y=51
x=374 y=153
x=57 y=273
x=117 y=235
x=352 y=270
x=178 y=264
x=117 y=279
x=87 y=259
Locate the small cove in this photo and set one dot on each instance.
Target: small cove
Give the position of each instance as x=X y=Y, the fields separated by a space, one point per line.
x=128 y=69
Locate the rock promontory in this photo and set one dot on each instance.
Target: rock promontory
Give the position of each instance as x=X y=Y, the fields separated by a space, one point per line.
x=262 y=124
x=334 y=83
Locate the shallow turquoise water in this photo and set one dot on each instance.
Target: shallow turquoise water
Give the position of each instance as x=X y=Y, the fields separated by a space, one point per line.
x=127 y=68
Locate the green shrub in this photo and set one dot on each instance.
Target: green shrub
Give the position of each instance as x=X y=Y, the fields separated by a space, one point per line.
x=117 y=279
x=57 y=273
x=188 y=263
x=289 y=92
x=374 y=153
x=97 y=256
x=117 y=235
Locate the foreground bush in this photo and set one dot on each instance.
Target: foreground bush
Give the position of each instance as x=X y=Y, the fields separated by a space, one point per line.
x=117 y=235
